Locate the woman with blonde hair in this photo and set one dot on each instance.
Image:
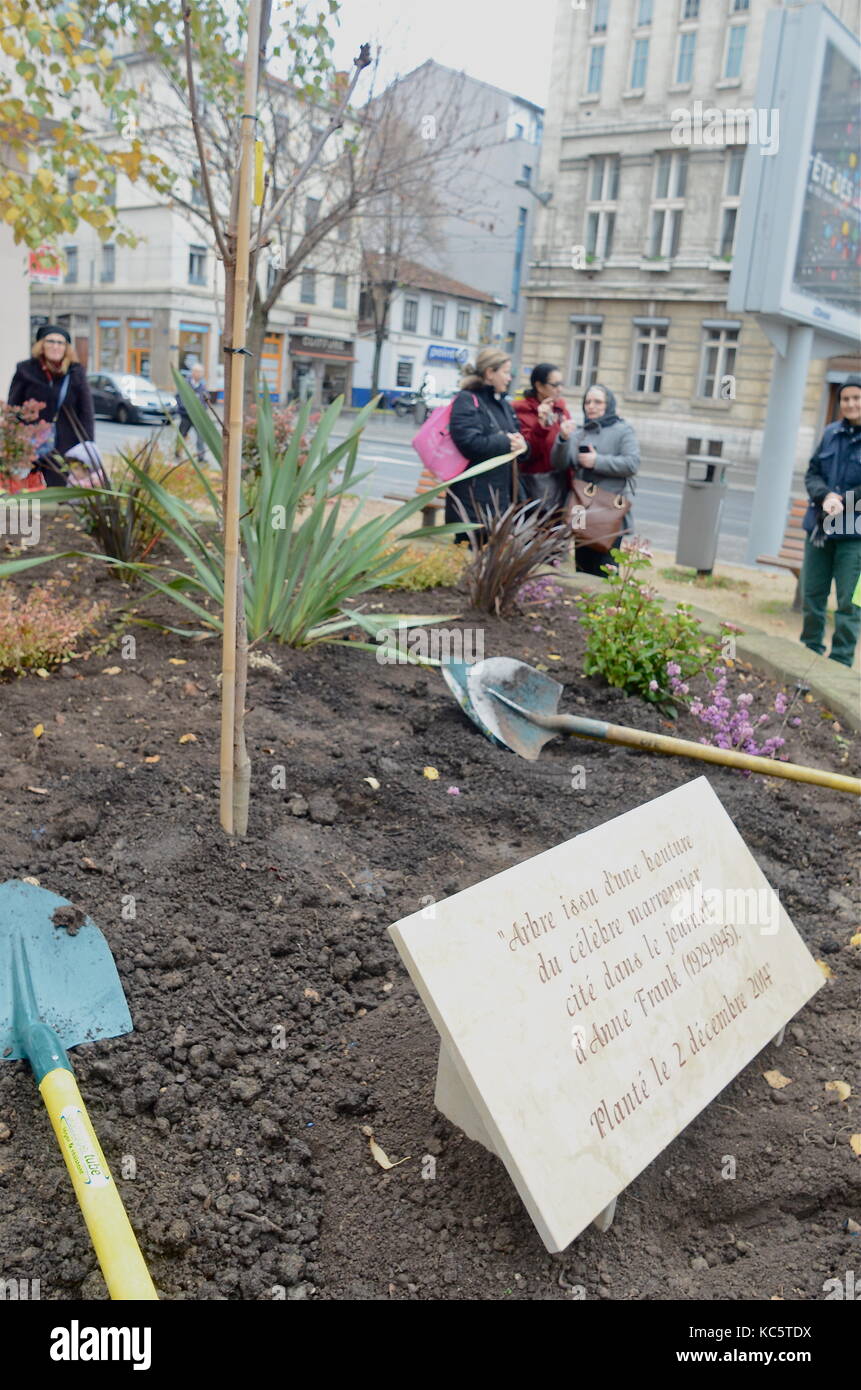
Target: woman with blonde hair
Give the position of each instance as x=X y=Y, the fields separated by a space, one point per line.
x=483 y=425
x=54 y=377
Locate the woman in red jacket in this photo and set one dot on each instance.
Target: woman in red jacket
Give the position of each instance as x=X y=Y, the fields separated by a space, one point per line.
x=543 y=418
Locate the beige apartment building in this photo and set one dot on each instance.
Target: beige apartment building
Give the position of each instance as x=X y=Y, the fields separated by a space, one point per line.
x=632 y=255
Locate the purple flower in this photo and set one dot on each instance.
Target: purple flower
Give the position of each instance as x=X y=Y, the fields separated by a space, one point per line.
x=653 y=685
x=673 y=669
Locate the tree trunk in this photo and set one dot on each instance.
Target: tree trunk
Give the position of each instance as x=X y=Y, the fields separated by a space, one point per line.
x=256 y=338
x=379 y=339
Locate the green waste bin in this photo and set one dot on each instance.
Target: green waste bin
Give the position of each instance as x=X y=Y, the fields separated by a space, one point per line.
x=702 y=503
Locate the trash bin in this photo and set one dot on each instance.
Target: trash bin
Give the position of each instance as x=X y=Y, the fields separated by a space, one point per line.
x=702 y=503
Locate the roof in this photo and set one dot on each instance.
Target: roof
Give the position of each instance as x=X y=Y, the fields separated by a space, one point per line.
x=478 y=81
x=413 y=276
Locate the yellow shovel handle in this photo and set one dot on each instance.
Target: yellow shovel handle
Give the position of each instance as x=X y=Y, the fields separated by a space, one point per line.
x=113 y=1239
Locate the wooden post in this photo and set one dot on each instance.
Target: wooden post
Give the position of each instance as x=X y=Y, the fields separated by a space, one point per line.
x=232 y=739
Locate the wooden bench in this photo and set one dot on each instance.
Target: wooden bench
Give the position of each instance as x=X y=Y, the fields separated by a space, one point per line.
x=791 y=553
x=433 y=504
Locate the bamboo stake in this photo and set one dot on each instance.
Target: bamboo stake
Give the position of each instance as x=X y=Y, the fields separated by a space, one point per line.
x=231 y=714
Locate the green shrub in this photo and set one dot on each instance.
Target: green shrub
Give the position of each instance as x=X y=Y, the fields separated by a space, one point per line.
x=631 y=638
x=435 y=568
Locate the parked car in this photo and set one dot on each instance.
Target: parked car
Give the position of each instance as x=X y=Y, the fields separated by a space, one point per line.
x=129 y=399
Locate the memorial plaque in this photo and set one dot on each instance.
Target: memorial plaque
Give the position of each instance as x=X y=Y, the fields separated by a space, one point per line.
x=592 y=1000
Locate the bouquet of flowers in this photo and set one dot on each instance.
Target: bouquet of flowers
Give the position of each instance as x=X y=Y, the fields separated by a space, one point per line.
x=21 y=435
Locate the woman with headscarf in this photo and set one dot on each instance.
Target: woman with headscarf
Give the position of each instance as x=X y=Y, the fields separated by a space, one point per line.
x=483 y=426
x=544 y=418
x=54 y=376
x=832 y=550
x=603 y=450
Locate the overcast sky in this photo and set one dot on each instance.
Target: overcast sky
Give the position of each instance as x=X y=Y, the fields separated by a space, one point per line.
x=498 y=42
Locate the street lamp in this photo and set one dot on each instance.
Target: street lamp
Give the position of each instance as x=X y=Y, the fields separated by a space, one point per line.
x=543 y=198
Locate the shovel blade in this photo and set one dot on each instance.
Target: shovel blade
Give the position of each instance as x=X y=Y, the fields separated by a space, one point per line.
x=531 y=689
x=71 y=978
x=455 y=674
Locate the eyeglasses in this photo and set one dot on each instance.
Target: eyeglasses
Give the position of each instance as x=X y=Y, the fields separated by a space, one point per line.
x=54 y=342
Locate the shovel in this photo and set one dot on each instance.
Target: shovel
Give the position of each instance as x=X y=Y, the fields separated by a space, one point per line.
x=59 y=988
x=518 y=706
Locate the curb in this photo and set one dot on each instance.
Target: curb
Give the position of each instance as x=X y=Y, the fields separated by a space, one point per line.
x=835 y=686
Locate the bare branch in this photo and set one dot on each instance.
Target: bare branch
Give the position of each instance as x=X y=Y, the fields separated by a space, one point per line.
x=198 y=136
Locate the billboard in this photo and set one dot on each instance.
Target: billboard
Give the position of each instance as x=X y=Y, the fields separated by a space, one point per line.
x=46 y=266
x=798 y=244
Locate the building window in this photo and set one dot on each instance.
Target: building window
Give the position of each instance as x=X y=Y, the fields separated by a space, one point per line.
x=197 y=265
x=109 y=265
x=732 y=191
x=648 y=373
x=272 y=273
x=600 y=15
x=339 y=292
x=735 y=50
x=718 y=360
x=596 y=68
x=604 y=178
x=197 y=195
x=517 y=271
x=71 y=254
x=685 y=61
x=110 y=193
x=486 y=330
x=727 y=233
x=308 y=287
x=463 y=318
x=526 y=173
x=644 y=12
x=601 y=209
x=671 y=178
x=518 y=131
x=739 y=5
x=343 y=230
x=438 y=320
x=600 y=227
x=735 y=165
x=585 y=355
x=404 y=372
x=639 y=64
x=312 y=212
x=510 y=339
x=411 y=315
x=690 y=9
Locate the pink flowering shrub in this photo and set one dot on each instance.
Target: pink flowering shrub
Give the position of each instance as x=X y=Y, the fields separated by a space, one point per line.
x=284 y=423
x=40 y=629
x=730 y=720
x=21 y=433
x=631 y=638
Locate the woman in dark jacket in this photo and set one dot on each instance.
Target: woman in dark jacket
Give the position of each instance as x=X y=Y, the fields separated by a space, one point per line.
x=41 y=378
x=603 y=450
x=832 y=550
x=483 y=426
x=543 y=416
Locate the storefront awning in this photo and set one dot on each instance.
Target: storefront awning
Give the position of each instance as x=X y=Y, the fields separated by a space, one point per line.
x=323 y=356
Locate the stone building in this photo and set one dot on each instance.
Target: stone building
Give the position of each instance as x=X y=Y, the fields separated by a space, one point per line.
x=631 y=258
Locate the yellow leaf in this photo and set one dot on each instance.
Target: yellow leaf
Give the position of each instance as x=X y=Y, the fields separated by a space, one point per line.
x=551 y=656
x=430 y=773
x=38 y=730
x=843 y=1089
x=40 y=671
x=176 y=661
x=856 y=939
x=373 y=783
x=826 y=969
x=156 y=758
x=111 y=671
x=40 y=791
x=188 y=738
x=777 y=1080
x=380 y=1156
x=855 y=1144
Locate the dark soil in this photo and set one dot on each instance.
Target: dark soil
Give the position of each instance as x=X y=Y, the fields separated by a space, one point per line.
x=274 y=1021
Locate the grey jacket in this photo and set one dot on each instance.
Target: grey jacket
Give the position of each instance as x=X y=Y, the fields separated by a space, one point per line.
x=617 y=449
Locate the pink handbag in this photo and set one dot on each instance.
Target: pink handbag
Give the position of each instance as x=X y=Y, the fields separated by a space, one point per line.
x=435 y=447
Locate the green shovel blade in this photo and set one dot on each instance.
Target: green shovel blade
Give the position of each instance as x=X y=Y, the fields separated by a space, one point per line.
x=48 y=974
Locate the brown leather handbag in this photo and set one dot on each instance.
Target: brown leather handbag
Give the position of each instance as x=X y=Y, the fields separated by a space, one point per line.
x=596 y=515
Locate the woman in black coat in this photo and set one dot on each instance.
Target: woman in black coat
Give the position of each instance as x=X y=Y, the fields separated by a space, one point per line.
x=40 y=378
x=483 y=425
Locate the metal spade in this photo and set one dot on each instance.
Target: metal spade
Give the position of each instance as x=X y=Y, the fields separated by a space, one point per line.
x=59 y=988
x=518 y=706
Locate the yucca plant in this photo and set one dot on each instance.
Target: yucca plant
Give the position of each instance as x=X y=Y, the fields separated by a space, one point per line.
x=507 y=547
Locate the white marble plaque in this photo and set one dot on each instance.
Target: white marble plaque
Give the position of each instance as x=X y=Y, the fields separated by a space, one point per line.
x=592 y=1000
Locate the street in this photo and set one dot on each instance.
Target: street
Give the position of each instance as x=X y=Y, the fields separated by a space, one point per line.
x=387 y=455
